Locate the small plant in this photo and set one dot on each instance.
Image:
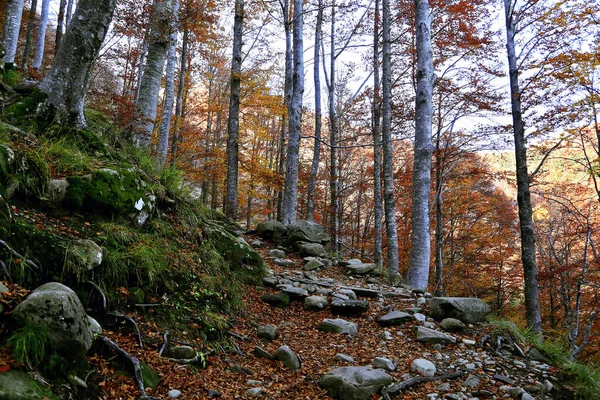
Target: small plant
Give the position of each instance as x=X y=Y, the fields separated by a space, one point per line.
x=30 y=345
x=10 y=77
x=585 y=380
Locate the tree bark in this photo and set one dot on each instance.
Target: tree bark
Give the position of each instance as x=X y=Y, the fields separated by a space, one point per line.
x=140 y=73
x=59 y=24
x=233 y=124
x=167 y=111
x=158 y=44
x=180 y=88
x=69 y=13
x=314 y=169
x=29 y=35
x=66 y=82
x=40 y=41
x=532 y=302
x=420 y=252
x=377 y=200
x=388 y=170
x=12 y=25
x=333 y=138
x=290 y=193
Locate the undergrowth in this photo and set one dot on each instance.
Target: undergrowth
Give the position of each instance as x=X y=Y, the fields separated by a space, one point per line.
x=30 y=345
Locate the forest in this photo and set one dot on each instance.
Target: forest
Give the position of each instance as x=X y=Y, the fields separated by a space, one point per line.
x=455 y=144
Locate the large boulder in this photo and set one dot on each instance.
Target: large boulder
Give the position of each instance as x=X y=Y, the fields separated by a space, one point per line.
x=351 y=308
x=17 y=385
x=311 y=249
x=303 y=231
x=354 y=383
x=270 y=229
x=426 y=335
x=469 y=310
x=57 y=309
x=338 y=325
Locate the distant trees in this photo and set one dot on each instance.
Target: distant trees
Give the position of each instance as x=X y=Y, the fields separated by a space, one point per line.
x=10 y=34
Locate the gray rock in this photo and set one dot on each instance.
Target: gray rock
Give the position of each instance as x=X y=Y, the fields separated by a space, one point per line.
x=419 y=317
x=360 y=269
x=287 y=357
x=354 y=383
x=304 y=231
x=270 y=281
x=311 y=249
x=471 y=381
x=181 y=352
x=255 y=392
x=423 y=367
x=427 y=335
x=394 y=318
x=349 y=307
x=94 y=326
x=315 y=303
x=348 y=292
x=268 y=332
x=17 y=385
x=83 y=255
x=421 y=301
x=467 y=309
x=57 y=308
x=527 y=396
x=384 y=363
x=56 y=191
x=364 y=292
x=351 y=261
x=444 y=387
x=277 y=253
x=280 y=300
x=343 y=357
x=174 y=394
x=270 y=229
x=312 y=275
x=295 y=293
x=452 y=325
x=504 y=379
x=284 y=262
x=535 y=354
x=338 y=325
x=262 y=353
x=312 y=265
x=256 y=243
x=323 y=292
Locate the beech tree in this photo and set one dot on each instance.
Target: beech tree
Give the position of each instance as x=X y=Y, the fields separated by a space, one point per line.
x=376 y=128
x=10 y=34
x=40 y=40
x=29 y=35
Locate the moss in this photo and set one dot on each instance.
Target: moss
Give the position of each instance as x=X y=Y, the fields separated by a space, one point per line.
x=26 y=107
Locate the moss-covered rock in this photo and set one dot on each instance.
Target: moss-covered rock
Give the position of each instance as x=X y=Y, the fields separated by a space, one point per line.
x=151 y=379
x=26 y=107
x=17 y=385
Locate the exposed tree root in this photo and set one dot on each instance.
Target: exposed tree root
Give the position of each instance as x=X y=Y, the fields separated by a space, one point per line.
x=8 y=277
x=102 y=296
x=132 y=322
x=14 y=253
x=164 y=344
x=393 y=390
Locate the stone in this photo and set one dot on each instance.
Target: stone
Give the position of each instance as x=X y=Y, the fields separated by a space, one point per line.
x=213 y=393
x=284 y=262
x=295 y=293
x=277 y=253
x=57 y=309
x=504 y=379
x=444 y=387
x=174 y=394
x=76 y=381
x=359 y=269
x=535 y=354
x=83 y=255
x=350 y=261
x=312 y=275
x=270 y=281
x=324 y=292
x=421 y=301
x=256 y=243
x=181 y=352
x=452 y=325
x=304 y=231
x=270 y=229
x=268 y=332
x=384 y=363
x=343 y=357
x=315 y=303
x=364 y=292
x=17 y=385
x=262 y=353
x=394 y=318
x=349 y=307
x=95 y=326
x=419 y=317
x=312 y=265
x=354 y=383
x=427 y=335
x=287 y=357
x=469 y=342
x=311 y=249
x=151 y=378
x=255 y=392
x=338 y=325
x=471 y=381
x=56 y=191
x=469 y=310
x=279 y=300
x=348 y=292
x=527 y=396
x=423 y=367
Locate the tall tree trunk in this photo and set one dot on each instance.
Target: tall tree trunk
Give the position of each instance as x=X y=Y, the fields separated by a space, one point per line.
x=67 y=80
x=233 y=124
x=40 y=40
x=532 y=302
x=69 y=13
x=388 y=156
x=439 y=219
x=167 y=111
x=10 y=34
x=180 y=88
x=141 y=65
x=59 y=24
x=158 y=44
x=420 y=251
x=290 y=193
x=29 y=35
x=377 y=200
x=333 y=137
x=314 y=169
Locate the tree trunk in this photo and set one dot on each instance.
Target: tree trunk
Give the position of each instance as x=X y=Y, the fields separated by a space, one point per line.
x=40 y=41
x=29 y=35
x=333 y=137
x=314 y=169
x=439 y=220
x=66 y=82
x=233 y=124
x=377 y=200
x=59 y=24
x=388 y=156
x=420 y=251
x=290 y=193
x=158 y=44
x=140 y=73
x=69 y=13
x=167 y=111
x=180 y=88
x=532 y=302
x=12 y=25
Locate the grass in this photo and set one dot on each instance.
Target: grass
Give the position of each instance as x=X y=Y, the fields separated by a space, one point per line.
x=66 y=158
x=30 y=345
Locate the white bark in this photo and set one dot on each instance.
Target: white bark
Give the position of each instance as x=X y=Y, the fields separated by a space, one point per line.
x=334 y=173
x=29 y=35
x=290 y=193
x=420 y=252
x=10 y=34
x=377 y=200
x=69 y=13
x=180 y=88
x=167 y=112
x=40 y=40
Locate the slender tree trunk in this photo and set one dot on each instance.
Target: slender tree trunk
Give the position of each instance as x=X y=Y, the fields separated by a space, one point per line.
x=180 y=88
x=333 y=137
x=314 y=169
x=167 y=111
x=140 y=73
x=10 y=34
x=532 y=302
x=40 y=41
x=439 y=221
x=59 y=24
x=377 y=200
x=233 y=125
x=29 y=35
x=67 y=80
x=420 y=251
x=69 y=13
x=290 y=193
x=388 y=156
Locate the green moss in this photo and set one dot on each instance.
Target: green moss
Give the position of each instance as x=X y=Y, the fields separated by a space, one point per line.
x=151 y=379
x=10 y=77
x=76 y=191
x=25 y=107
